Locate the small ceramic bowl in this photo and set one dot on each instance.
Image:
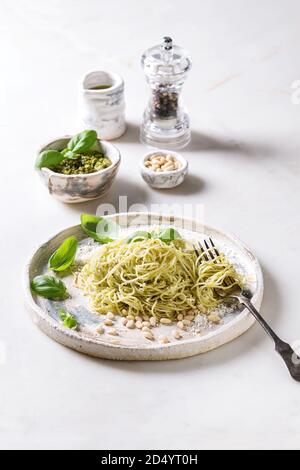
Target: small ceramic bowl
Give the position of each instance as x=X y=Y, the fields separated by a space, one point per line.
x=164 y=179
x=80 y=188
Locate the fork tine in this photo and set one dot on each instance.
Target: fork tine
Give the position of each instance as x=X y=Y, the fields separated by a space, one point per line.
x=227 y=281
x=196 y=251
x=214 y=247
x=203 y=252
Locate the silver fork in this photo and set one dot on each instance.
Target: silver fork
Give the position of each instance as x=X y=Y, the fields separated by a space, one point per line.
x=291 y=359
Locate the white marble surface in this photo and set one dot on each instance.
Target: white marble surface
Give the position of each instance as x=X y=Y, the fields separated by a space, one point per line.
x=244 y=164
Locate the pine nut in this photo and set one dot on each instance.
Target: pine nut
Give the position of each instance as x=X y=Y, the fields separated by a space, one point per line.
x=124 y=321
x=124 y=312
x=146 y=323
x=186 y=322
x=214 y=318
x=189 y=317
x=137 y=318
x=176 y=334
x=108 y=322
x=110 y=316
x=146 y=328
x=130 y=317
x=179 y=316
x=164 y=339
x=148 y=335
x=130 y=324
x=113 y=332
x=100 y=330
x=152 y=321
x=145 y=317
x=181 y=325
x=165 y=321
x=202 y=309
x=138 y=324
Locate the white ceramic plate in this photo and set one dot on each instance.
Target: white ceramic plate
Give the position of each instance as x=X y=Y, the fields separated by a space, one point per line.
x=130 y=344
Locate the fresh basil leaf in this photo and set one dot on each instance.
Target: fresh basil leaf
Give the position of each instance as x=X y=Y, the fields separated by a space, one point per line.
x=68 y=320
x=49 y=287
x=138 y=236
x=49 y=159
x=96 y=148
x=83 y=141
x=70 y=154
x=168 y=235
x=99 y=228
x=64 y=256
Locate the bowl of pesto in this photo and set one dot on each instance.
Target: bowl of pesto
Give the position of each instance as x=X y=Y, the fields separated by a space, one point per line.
x=78 y=168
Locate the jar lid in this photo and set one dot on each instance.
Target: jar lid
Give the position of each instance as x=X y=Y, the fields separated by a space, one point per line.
x=166 y=59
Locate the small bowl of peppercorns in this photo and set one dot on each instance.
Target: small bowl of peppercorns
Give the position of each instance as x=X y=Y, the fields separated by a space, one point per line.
x=163 y=169
x=80 y=176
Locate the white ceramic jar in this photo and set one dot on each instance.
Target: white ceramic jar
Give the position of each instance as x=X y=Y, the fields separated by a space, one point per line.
x=102 y=104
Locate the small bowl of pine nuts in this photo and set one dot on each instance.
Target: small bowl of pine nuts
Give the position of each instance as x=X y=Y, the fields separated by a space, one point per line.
x=163 y=169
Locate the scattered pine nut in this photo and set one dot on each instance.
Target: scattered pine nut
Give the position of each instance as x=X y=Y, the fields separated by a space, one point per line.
x=113 y=332
x=164 y=339
x=100 y=330
x=176 y=334
x=124 y=311
x=146 y=328
x=124 y=321
x=110 y=316
x=137 y=318
x=130 y=317
x=213 y=317
x=152 y=321
x=108 y=322
x=130 y=324
x=181 y=325
x=148 y=335
x=146 y=323
x=186 y=322
x=179 y=316
x=189 y=317
x=165 y=321
x=138 y=324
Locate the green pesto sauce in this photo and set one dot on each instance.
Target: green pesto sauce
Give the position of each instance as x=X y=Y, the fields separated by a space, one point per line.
x=83 y=164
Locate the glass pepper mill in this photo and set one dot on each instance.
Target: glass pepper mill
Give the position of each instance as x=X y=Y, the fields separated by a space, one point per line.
x=165 y=122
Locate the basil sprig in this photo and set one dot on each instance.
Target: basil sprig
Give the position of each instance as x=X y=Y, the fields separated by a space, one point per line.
x=49 y=287
x=98 y=228
x=64 y=256
x=84 y=142
x=167 y=235
x=138 y=236
x=49 y=159
x=67 y=318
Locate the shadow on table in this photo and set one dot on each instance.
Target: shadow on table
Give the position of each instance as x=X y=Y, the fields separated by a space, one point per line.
x=244 y=344
x=191 y=185
x=201 y=142
x=131 y=136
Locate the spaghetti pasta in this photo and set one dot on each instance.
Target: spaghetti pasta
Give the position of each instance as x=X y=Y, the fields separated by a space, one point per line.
x=154 y=278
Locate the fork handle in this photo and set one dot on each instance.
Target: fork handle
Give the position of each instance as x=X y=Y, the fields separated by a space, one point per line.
x=284 y=349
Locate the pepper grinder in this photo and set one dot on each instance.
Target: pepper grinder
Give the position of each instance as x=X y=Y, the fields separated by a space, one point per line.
x=165 y=122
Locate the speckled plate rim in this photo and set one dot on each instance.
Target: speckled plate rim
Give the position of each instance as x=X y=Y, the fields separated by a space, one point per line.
x=184 y=348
